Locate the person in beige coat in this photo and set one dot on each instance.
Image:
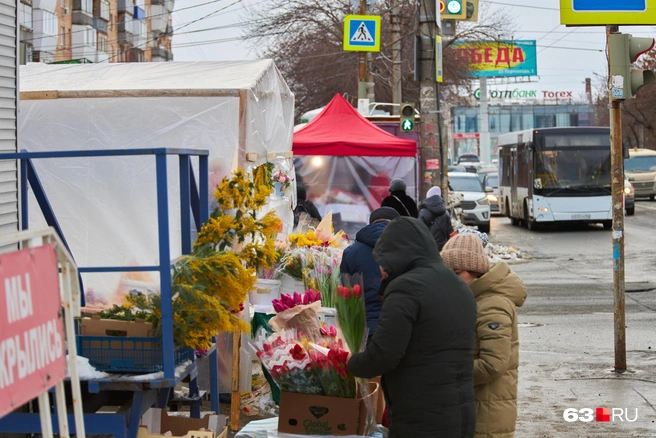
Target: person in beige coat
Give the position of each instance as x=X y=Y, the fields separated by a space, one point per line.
x=498 y=292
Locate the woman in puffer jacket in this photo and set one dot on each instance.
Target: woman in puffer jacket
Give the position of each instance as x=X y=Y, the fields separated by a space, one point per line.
x=498 y=292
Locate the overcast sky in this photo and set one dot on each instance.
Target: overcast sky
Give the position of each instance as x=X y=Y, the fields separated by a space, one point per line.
x=559 y=68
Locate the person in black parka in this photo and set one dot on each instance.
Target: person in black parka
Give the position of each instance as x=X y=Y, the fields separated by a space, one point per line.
x=433 y=213
x=399 y=200
x=423 y=343
x=358 y=259
x=303 y=205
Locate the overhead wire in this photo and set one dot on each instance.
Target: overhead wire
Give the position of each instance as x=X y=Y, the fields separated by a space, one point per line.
x=49 y=48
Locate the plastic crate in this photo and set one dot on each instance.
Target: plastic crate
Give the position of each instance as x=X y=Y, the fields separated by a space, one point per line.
x=128 y=354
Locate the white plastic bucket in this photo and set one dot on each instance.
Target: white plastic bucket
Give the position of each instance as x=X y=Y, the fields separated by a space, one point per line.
x=328 y=315
x=289 y=285
x=265 y=292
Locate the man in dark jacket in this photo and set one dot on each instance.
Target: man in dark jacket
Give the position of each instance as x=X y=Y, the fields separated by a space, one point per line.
x=433 y=213
x=359 y=259
x=304 y=206
x=424 y=339
x=399 y=201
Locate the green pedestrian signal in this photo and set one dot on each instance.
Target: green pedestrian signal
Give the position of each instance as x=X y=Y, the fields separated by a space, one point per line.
x=407 y=117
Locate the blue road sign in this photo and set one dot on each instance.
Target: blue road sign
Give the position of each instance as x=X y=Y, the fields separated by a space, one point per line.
x=610 y=5
x=362 y=33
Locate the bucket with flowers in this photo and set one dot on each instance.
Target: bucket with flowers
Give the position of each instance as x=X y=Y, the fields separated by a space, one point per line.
x=282 y=182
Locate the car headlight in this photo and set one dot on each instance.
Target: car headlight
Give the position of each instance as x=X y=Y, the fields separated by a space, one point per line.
x=483 y=201
x=628 y=190
x=492 y=198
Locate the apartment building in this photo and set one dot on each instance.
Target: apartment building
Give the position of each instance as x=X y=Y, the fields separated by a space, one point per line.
x=95 y=30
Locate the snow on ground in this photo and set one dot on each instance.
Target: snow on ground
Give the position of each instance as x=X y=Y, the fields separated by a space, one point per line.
x=156 y=376
x=498 y=253
x=85 y=370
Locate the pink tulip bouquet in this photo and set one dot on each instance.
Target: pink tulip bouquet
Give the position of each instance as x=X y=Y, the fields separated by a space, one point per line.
x=287 y=301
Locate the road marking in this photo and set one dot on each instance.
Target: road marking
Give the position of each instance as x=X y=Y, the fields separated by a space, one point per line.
x=641 y=205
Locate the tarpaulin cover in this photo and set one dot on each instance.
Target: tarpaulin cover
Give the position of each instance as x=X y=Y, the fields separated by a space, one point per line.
x=339 y=130
x=352 y=187
x=107 y=207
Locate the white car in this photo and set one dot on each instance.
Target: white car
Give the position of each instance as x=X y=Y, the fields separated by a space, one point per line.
x=476 y=206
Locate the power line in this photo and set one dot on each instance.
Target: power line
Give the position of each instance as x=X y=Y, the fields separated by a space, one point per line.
x=129 y=21
x=188 y=24
x=583 y=49
x=522 y=6
x=227 y=26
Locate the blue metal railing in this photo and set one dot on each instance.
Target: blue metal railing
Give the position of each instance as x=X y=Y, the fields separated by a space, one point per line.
x=193 y=199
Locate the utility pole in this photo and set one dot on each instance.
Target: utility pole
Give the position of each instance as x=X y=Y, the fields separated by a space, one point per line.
x=588 y=90
x=397 y=92
x=429 y=138
x=484 y=152
x=617 y=188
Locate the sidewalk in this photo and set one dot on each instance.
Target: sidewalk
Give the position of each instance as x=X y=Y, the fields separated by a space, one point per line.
x=568 y=362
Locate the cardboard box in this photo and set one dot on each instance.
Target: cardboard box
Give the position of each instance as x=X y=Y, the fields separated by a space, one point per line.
x=305 y=414
x=158 y=422
x=95 y=326
x=143 y=433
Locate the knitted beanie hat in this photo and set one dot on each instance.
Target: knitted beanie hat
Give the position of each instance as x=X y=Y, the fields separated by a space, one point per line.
x=383 y=213
x=465 y=252
x=397 y=185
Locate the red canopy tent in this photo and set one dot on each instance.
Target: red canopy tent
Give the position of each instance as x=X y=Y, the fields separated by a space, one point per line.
x=340 y=131
x=346 y=163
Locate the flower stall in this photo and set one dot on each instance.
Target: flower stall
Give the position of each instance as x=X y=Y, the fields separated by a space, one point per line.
x=242 y=113
x=347 y=164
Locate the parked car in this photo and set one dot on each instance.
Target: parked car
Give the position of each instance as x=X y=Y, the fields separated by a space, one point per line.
x=469 y=161
x=629 y=197
x=475 y=206
x=491 y=184
x=485 y=169
x=640 y=168
x=457 y=169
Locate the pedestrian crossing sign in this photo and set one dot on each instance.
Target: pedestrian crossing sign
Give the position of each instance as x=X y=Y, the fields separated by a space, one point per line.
x=362 y=33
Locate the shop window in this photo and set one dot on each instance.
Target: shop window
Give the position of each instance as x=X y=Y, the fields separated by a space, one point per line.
x=545 y=121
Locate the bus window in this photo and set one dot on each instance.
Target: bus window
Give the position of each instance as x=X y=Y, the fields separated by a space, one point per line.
x=572 y=168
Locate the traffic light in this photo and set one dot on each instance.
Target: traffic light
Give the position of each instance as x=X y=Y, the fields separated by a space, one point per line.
x=407 y=118
x=625 y=79
x=472 y=11
x=453 y=9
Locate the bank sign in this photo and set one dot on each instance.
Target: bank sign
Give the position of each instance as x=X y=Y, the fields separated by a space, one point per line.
x=517 y=94
x=490 y=59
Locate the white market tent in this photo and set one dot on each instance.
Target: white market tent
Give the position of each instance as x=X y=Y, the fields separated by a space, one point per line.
x=242 y=112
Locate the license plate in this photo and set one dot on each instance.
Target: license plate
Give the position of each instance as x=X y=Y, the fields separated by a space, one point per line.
x=580 y=216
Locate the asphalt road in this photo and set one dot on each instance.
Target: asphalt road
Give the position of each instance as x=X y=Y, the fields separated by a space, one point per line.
x=567 y=327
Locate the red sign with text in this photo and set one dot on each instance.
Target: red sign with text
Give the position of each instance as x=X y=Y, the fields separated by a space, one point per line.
x=433 y=164
x=466 y=135
x=32 y=358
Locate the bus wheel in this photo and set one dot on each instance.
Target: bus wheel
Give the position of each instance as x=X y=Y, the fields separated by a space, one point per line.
x=607 y=225
x=513 y=221
x=530 y=225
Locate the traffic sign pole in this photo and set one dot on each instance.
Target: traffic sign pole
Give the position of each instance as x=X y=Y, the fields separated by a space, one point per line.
x=617 y=188
x=362 y=78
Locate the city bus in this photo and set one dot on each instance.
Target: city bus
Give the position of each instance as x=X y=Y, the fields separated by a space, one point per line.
x=555 y=175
